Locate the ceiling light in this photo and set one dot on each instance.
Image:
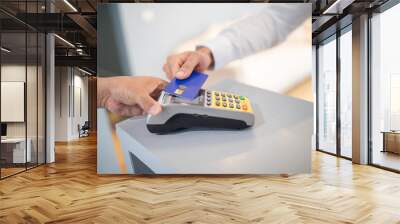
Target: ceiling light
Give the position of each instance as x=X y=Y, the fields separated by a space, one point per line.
x=337 y=7
x=148 y=16
x=84 y=71
x=5 y=50
x=65 y=41
x=70 y=5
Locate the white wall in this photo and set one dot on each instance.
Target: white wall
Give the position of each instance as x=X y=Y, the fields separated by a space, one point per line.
x=62 y=81
x=81 y=94
x=70 y=83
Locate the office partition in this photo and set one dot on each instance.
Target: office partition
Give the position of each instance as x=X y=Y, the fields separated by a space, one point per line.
x=15 y=150
x=22 y=77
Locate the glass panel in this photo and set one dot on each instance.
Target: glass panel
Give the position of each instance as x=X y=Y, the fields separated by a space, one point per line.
x=386 y=89
x=23 y=90
x=327 y=97
x=13 y=85
x=32 y=89
x=346 y=94
x=31 y=98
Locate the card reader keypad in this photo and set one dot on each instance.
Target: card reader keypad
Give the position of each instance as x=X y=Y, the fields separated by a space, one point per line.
x=228 y=101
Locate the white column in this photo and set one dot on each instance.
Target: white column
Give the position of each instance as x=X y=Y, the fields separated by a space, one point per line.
x=50 y=99
x=360 y=90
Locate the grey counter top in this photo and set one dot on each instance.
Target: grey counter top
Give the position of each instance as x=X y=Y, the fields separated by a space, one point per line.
x=279 y=142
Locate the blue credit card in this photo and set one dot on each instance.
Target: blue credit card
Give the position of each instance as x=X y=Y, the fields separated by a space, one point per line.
x=187 y=88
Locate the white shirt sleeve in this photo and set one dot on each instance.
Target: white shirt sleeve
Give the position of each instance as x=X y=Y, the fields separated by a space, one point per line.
x=257 y=32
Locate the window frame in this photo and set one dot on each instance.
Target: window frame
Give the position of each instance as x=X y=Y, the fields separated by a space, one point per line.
x=333 y=37
x=378 y=10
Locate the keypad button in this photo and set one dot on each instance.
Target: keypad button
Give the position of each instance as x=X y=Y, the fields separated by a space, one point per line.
x=237 y=106
x=208 y=99
x=208 y=93
x=241 y=97
x=224 y=104
x=217 y=103
x=231 y=105
x=244 y=107
x=230 y=100
x=217 y=97
x=236 y=97
x=216 y=93
x=223 y=98
x=229 y=95
x=223 y=94
x=237 y=101
x=209 y=103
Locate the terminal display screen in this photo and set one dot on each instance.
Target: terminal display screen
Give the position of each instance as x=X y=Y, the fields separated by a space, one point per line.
x=199 y=100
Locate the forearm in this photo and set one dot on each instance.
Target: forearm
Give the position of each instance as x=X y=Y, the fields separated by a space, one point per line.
x=257 y=32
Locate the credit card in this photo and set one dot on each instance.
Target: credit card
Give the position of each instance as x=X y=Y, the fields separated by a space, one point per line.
x=187 y=88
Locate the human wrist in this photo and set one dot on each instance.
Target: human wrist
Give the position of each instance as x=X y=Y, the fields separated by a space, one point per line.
x=206 y=52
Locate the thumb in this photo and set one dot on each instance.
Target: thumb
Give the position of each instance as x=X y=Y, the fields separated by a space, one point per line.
x=149 y=105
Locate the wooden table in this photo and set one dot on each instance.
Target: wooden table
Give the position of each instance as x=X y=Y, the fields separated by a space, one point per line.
x=391 y=141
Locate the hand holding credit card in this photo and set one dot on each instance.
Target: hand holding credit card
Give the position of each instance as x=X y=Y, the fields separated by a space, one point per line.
x=187 y=88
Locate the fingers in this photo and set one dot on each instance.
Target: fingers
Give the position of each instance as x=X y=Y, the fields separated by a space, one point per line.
x=130 y=111
x=155 y=89
x=132 y=96
x=175 y=62
x=187 y=68
x=157 y=92
x=127 y=110
x=168 y=72
x=161 y=83
x=148 y=104
x=182 y=65
x=174 y=65
x=123 y=109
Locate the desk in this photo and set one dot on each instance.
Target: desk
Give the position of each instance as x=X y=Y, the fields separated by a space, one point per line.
x=13 y=150
x=391 y=141
x=278 y=143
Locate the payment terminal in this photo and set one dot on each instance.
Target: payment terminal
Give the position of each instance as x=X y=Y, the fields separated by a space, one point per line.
x=210 y=109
